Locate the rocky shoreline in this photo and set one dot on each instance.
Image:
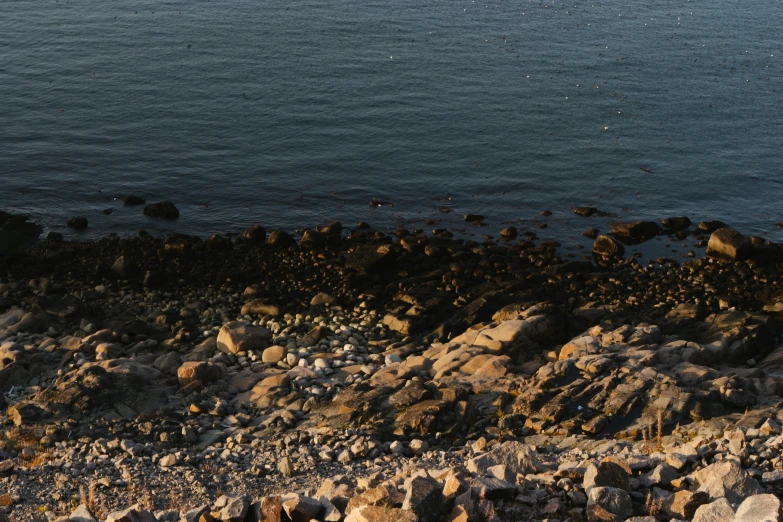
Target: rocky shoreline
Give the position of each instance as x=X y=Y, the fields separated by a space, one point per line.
x=357 y=375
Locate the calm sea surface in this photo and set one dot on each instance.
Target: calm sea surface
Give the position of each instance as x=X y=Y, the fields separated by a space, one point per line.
x=298 y=112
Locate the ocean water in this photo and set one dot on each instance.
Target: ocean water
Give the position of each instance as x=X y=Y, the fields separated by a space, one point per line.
x=299 y=112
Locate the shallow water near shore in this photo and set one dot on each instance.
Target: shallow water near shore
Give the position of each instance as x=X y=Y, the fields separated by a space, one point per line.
x=296 y=113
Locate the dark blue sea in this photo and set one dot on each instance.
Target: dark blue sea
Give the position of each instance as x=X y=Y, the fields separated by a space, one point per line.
x=299 y=112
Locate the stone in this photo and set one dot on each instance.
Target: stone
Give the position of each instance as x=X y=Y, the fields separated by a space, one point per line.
x=718 y=511
x=164 y=209
x=509 y=233
x=606 y=474
x=260 y=308
x=683 y=504
x=239 y=336
x=79 y=223
x=124 y=268
x=132 y=514
x=198 y=371
x=167 y=461
x=273 y=354
x=381 y=514
x=729 y=245
x=235 y=509
x=493 y=488
x=285 y=467
x=424 y=496
x=759 y=508
x=726 y=479
x=611 y=500
x=301 y=508
x=312 y=239
x=516 y=456
x=322 y=299
x=281 y=239
x=254 y=234
x=82 y=514
x=606 y=246
x=636 y=231
x=133 y=200
x=676 y=222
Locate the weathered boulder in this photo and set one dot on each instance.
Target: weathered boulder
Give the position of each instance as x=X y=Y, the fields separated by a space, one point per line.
x=759 y=508
x=203 y=372
x=239 y=336
x=717 y=511
x=728 y=244
x=726 y=479
x=424 y=496
x=614 y=501
x=606 y=246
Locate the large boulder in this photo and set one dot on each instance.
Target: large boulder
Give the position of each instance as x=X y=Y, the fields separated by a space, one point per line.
x=239 y=336
x=729 y=245
x=516 y=456
x=726 y=479
x=718 y=511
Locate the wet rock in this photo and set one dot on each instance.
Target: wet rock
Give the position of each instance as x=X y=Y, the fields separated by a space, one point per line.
x=132 y=514
x=592 y=233
x=472 y=218
x=509 y=233
x=254 y=234
x=313 y=239
x=164 y=210
x=281 y=239
x=607 y=247
x=728 y=244
x=711 y=226
x=585 y=211
x=132 y=200
x=79 y=223
x=676 y=222
x=635 y=232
